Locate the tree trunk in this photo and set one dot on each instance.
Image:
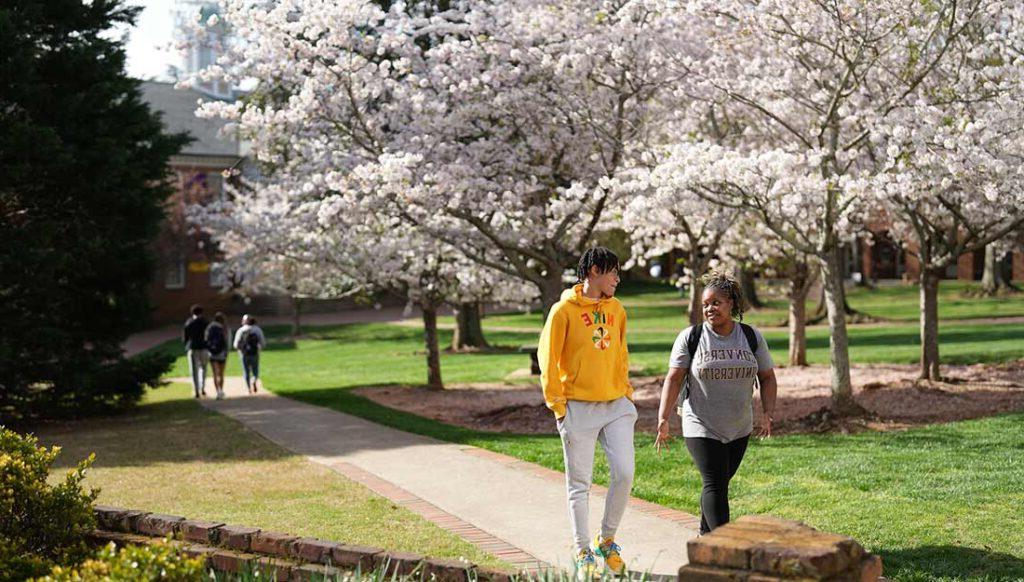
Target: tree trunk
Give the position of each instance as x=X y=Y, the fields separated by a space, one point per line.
x=839 y=352
x=798 y=290
x=430 y=339
x=748 y=285
x=696 y=268
x=469 y=332
x=992 y=279
x=296 y=316
x=550 y=290
x=929 y=281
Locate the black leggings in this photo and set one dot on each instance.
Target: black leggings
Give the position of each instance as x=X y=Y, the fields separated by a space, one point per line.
x=717 y=463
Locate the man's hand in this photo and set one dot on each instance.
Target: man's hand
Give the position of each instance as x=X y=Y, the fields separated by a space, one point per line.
x=663 y=437
x=766 y=427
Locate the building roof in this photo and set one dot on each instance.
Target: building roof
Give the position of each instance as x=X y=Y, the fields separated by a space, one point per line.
x=178 y=107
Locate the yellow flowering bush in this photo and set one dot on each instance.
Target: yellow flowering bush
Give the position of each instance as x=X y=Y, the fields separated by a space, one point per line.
x=40 y=524
x=158 y=562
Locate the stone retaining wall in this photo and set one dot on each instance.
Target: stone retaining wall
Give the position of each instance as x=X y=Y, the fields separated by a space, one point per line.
x=232 y=548
x=768 y=549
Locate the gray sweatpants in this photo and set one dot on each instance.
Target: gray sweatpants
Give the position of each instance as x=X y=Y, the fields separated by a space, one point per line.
x=198 y=360
x=611 y=424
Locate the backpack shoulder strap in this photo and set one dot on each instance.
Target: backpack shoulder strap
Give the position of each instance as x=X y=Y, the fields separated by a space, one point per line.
x=693 y=342
x=751 y=337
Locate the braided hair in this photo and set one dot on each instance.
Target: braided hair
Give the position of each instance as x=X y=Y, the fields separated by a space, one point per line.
x=726 y=283
x=600 y=257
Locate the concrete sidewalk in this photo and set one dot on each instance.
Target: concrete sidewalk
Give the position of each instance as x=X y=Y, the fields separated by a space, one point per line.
x=144 y=340
x=513 y=509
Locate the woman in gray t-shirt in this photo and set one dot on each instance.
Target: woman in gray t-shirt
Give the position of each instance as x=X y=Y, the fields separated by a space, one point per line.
x=717 y=408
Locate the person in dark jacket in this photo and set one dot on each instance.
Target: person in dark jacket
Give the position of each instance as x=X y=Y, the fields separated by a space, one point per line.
x=193 y=334
x=218 y=343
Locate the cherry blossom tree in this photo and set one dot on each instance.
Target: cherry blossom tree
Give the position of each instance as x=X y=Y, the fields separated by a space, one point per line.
x=525 y=121
x=663 y=214
x=953 y=181
x=810 y=83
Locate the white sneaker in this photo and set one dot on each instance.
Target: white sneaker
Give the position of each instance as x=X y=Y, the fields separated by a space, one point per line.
x=220 y=395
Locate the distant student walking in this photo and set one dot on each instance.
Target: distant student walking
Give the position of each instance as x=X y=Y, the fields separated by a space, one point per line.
x=193 y=334
x=585 y=377
x=250 y=341
x=217 y=337
x=720 y=360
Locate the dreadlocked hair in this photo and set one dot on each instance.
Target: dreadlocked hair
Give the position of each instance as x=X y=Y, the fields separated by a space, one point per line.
x=726 y=283
x=600 y=257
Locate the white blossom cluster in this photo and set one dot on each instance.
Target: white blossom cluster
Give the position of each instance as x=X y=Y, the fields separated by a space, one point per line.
x=474 y=151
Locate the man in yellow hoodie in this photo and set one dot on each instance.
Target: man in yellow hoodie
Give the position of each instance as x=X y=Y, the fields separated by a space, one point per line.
x=585 y=376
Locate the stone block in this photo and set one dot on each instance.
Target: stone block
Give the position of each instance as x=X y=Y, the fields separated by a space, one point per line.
x=721 y=550
x=771 y=522
x=231 y=562
x=196 y=530
x=158 y=524
x=492 y=575
x=102 y=538
x=272 y=543
x=127 y=521
x=401 y=563
x=273 y=569
x=447 y=570
x=198 y=551
x=107 y=517
x=364 y=558
x=694 y=573
x=870 y=568
x=236 y=537
x=313 y=550
x=812 y=555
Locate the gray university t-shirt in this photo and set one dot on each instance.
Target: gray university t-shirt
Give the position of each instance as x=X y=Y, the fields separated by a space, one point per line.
x=720 y=403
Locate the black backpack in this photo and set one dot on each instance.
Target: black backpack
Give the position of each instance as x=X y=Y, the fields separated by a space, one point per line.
x=216 y=341
x=693 y=342
x=251 y=343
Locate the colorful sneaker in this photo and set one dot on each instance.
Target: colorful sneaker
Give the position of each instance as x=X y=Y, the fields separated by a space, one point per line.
x=609 y=550
x=586 y=565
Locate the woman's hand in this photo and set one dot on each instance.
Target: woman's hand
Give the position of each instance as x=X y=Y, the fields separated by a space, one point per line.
x=663 y=437
x=766 y=427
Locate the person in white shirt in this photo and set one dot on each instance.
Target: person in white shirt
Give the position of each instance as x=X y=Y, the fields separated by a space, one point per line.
x=250 y=341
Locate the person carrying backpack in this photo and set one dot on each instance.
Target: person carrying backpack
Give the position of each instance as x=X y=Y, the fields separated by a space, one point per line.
x=720 y=360
x=217 y=335
x=193 y=335
x=250 y=341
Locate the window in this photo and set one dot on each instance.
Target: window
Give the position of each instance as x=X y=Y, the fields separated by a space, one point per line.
x=174 y=275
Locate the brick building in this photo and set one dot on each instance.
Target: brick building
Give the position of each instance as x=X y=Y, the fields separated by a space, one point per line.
x=885 y=258
x=187 y=270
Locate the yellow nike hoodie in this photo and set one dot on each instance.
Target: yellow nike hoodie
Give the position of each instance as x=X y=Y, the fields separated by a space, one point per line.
x=582 y=351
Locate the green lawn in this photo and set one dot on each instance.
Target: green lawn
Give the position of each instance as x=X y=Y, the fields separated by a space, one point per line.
x=938 y=503
x=356 y=355
x=173 y=456
x=660 y=307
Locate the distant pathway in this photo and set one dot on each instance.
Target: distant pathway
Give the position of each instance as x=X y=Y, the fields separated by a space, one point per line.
x=510 y=508
x=145 y=340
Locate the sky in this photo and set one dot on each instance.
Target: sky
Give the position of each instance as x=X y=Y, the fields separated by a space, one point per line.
x=148 y=48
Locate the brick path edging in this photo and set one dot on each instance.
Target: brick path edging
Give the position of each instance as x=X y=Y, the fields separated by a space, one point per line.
x=487 y=542
x=229 y=548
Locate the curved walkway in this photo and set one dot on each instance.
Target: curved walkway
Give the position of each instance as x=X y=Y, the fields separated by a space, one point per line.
x=513 y=509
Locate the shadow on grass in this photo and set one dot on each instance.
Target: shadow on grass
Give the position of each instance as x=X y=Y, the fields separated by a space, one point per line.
x=950 y=563
x=170 y=431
